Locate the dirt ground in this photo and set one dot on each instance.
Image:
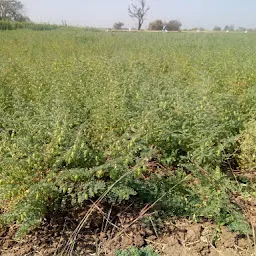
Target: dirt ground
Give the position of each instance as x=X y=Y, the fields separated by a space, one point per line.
x=103 y=234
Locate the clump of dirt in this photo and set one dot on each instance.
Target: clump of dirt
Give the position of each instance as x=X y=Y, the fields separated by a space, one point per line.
x=113 y=228
x=204 y=238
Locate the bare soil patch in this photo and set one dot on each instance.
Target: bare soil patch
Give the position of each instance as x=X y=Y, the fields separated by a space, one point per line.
x=119 y=230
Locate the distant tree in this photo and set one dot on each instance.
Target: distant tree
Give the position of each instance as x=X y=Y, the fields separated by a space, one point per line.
x=23 y=19
x=12 y=10
x=229 y=28
x=217 y=28
x=241 y=29
x=138 y=11
x=118 y=25
x=173 y=25
x=156 y=25
x=198 y=29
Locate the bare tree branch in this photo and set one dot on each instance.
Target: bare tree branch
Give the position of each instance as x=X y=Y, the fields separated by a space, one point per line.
x=138 y=12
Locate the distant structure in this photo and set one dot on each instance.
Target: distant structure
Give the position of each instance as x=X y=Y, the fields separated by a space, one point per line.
x=64 y=23
x=164 y=29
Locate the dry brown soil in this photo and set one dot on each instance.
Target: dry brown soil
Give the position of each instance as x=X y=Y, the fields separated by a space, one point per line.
x=120 y=229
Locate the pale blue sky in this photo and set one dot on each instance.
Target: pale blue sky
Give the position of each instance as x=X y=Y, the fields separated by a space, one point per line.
x=103 y=13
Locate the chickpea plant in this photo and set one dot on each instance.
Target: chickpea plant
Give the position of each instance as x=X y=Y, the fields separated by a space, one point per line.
x=79 y=109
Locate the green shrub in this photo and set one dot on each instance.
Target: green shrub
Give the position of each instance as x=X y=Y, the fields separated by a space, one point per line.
x=6 y=25
x=247 y=156
x=40 y=27
x=11 y=25
x=133 y=251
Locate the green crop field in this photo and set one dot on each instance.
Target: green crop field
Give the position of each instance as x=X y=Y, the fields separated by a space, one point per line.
x=170 y=115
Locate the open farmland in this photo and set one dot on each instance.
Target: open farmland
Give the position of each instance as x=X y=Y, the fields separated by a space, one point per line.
x=168 y=116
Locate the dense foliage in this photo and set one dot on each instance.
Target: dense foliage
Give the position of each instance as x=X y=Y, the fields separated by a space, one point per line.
x=80 y=109
x=12 y=10
x=11 y=25
x=156 y=25
x=173 y=25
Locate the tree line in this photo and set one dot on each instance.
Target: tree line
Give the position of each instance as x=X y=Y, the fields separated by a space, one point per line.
x=13 y=10
x=231 y=28
x=157 y=25
x=139 y=10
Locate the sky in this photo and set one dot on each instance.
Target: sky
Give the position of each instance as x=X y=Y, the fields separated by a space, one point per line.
x=104 y=13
